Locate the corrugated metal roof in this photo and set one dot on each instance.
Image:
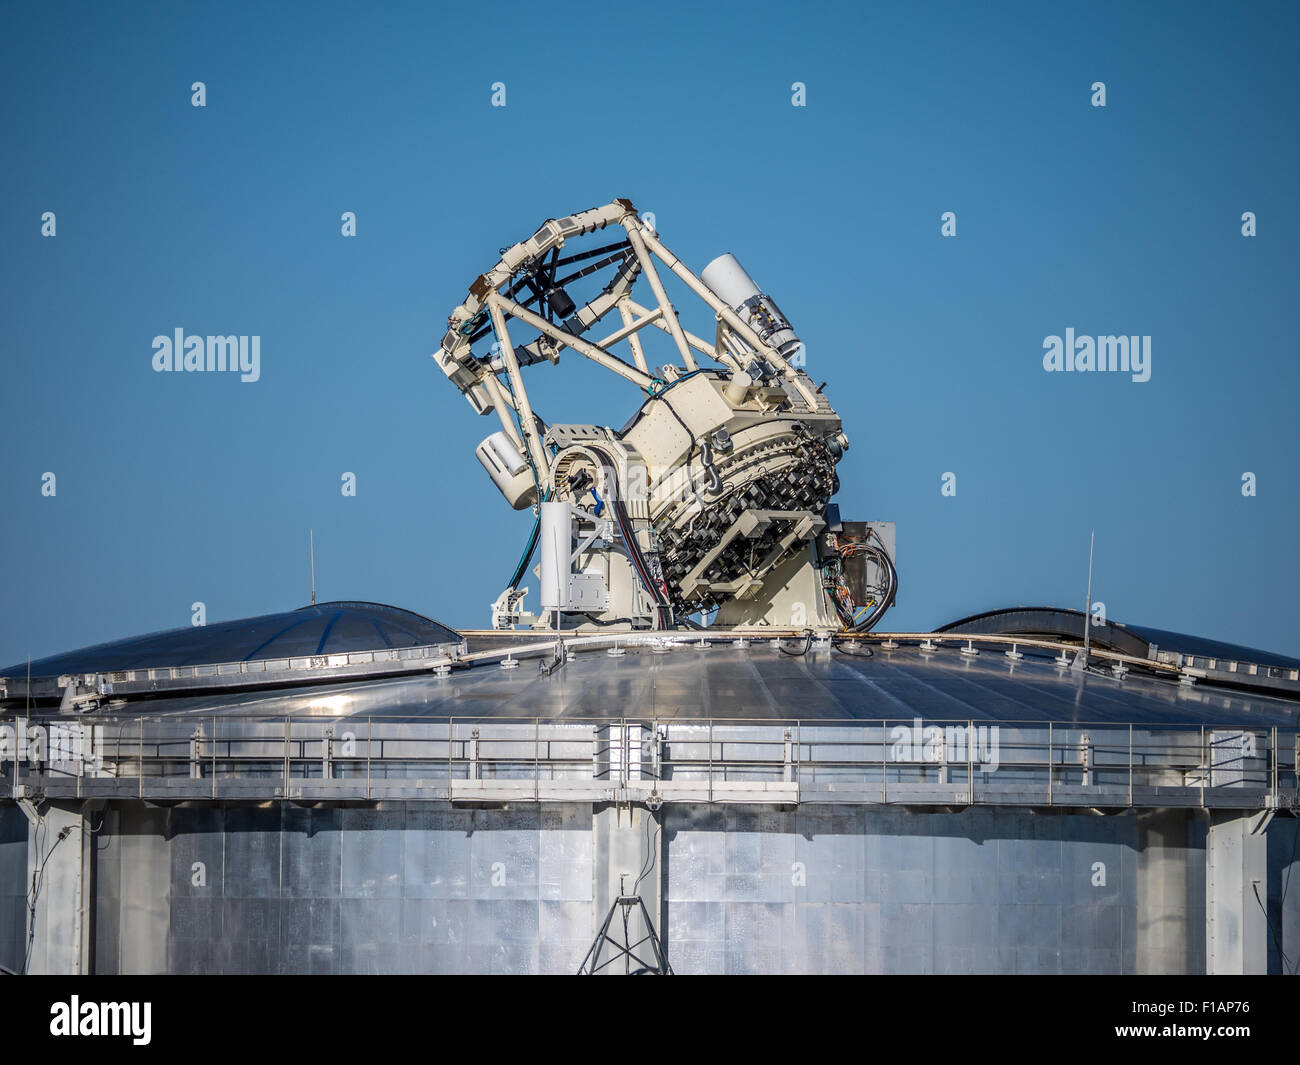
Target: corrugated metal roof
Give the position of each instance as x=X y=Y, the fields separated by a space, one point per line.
x=759 y=682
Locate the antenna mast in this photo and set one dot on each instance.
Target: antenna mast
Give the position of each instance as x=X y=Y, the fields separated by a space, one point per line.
x=1087 y=601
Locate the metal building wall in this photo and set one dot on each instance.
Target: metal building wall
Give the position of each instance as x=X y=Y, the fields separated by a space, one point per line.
x=1171 y=902
x=887 y=891
x=13 y=886
x=415 y=887
x=1284 y=896
x=425 y=887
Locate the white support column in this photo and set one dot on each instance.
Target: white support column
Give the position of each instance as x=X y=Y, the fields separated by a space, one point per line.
x=535 y=449
x=58 y=856
x=699 y=345
x=502 y=405
x=1236 y=893
x=1162 y=901
x=628 y=839
x=633 y=341
x=629 y=329
x=582 y=347
x=633 y=227
x=730 y=317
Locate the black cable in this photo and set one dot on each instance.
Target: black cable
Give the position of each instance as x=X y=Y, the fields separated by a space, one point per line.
x=33 y=889
x=663 y=609
x=38 y=880
x=807 y=643
x=638 y=562
x=882 y=560
x=634 y=550
x=722 y=375
x=1277 y=941
x=612 y=621
x=529 y=550
x=652 y=857
x=846 y=610
x=842 y=646
x=673 y=411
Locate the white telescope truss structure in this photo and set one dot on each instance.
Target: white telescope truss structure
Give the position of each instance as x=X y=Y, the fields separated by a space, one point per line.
x=713 y=497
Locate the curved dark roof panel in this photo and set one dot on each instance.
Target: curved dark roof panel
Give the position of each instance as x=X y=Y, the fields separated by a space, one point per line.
x=1135 y=640
x=1053 y=623
x=322 y=629
x=1196 y=645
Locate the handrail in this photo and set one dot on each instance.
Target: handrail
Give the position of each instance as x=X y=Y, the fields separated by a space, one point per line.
x=1079 y=764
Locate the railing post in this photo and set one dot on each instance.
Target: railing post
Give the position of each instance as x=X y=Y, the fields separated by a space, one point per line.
x=1051 y=766
x=196 y=753
x=884 y=767
x=656 y=755
x=1130 y=762
x=140 y=753
x=710 y=759
x=537 y=759
x=214 y=756
x=1205 y=761
x=1274 y=786
x=970 y=762
x=370 y=737
x=288 y=753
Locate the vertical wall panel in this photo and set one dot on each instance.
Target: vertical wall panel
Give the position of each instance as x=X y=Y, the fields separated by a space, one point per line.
x=883 y=890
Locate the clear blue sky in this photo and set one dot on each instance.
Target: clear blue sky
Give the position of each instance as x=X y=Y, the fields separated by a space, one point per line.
x=176 y=488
